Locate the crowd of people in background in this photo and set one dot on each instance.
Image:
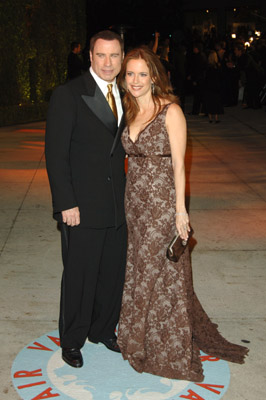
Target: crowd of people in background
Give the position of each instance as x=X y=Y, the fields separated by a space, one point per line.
x=217 y=73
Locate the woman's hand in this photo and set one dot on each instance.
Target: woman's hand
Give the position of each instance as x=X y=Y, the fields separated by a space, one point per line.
x=182 y=224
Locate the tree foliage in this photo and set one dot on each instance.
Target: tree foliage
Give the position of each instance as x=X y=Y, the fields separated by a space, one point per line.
x=35 y=42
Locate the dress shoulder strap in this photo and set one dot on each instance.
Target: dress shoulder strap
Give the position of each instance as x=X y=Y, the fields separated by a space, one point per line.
x=165 y=108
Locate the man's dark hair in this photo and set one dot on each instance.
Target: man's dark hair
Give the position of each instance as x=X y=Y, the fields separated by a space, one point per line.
x=74 y=45
x=106 y=35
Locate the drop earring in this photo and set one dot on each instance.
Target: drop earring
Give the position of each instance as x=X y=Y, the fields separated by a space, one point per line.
x=152 y=87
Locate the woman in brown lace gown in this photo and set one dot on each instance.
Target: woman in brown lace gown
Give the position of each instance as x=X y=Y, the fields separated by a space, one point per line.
x=162 y=324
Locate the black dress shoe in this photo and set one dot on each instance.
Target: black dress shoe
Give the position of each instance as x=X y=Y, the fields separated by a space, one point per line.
x=111 y=344
x=72 y=357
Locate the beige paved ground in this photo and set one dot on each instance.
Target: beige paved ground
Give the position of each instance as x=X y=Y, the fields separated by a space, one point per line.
x=226 y=166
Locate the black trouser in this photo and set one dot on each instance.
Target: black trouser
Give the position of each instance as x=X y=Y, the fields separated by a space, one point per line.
x=197 y=106
x=92 y=283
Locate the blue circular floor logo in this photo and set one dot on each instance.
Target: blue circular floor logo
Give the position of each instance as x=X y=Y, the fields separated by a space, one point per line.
x=38 y=372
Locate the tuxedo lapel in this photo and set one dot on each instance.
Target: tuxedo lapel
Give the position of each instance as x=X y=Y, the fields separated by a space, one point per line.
x=118 y=134
x=98 y=104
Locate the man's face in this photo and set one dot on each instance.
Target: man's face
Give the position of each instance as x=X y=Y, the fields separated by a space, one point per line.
x=77 y=49
x=106 y=59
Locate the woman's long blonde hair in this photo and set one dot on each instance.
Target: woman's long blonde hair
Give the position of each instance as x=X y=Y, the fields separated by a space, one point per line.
x=162 y=87
x=213 y=59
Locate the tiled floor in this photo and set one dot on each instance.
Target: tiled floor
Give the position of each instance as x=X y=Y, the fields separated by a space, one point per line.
x=226 y=189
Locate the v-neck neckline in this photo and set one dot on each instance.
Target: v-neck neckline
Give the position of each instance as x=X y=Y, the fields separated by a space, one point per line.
x=146 y=126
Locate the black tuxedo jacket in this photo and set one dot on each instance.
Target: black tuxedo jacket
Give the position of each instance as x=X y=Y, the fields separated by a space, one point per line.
x=84 y=155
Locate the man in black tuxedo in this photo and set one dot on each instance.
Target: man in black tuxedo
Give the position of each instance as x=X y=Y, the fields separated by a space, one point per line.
x=85 y=164
x=74 y=63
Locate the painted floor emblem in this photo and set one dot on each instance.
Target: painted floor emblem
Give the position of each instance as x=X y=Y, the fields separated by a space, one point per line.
x=38 y=372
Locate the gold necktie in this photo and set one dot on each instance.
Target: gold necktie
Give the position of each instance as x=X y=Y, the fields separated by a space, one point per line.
x=111 y=100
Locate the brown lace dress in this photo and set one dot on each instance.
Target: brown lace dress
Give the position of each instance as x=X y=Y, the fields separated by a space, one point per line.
x=162 y=323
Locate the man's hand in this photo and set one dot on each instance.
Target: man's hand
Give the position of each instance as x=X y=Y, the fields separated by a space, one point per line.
x=71 y=217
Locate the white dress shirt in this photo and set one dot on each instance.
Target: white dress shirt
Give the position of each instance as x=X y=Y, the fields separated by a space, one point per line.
x=103 y=86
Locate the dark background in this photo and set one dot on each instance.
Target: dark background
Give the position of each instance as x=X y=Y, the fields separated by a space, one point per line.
x=140 y=18
x=36 y=37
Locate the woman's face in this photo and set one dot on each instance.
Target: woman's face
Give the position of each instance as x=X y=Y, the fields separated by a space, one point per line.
x=138 y=78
